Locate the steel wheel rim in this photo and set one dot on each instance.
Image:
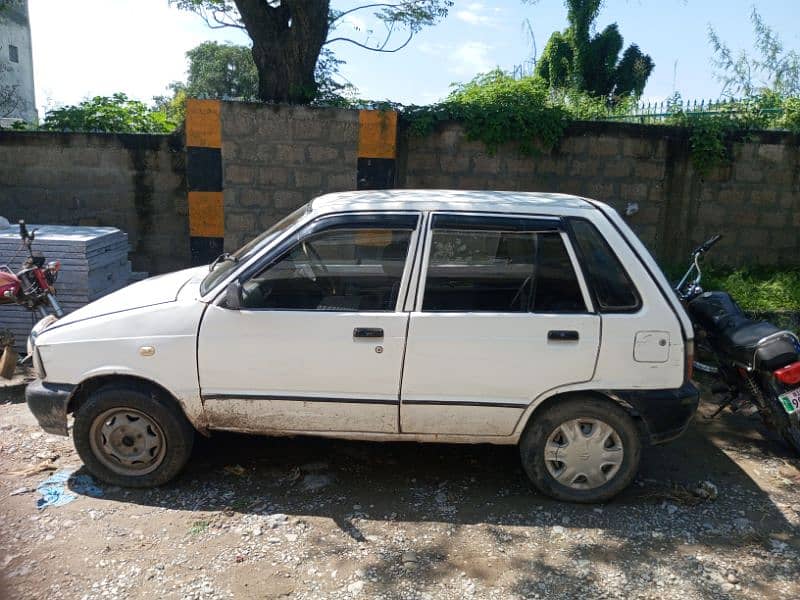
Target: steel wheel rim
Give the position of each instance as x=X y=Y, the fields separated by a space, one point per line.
x=583 y=453
x=128 y=441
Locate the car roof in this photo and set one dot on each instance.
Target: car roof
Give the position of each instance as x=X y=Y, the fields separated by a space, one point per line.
x=478 y=201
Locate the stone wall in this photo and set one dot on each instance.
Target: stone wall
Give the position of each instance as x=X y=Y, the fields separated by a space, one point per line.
x=275 y=159
x=133 y=182
x=644 y=170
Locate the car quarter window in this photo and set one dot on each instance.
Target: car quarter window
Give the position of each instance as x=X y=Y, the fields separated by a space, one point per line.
x=612 y=287
x=500 y=270
x=358 y=269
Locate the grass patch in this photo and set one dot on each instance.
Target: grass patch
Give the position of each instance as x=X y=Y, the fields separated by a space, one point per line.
x=757 y=289
x=198 y=527
x=760 y=289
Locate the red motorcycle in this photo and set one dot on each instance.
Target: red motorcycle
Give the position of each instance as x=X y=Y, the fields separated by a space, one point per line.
x=33 y=286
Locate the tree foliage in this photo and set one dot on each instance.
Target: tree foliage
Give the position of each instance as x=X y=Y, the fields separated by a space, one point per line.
x=772 y=68
x=221 y=71
x=227 y=71
x=117 y=113
x=289 y=36
x=577 y=59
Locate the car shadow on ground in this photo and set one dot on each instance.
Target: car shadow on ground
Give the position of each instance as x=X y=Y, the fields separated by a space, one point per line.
x=355 y=483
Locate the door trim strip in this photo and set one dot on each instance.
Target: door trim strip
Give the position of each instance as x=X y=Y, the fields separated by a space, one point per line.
x=298 y=399
x=464 y=403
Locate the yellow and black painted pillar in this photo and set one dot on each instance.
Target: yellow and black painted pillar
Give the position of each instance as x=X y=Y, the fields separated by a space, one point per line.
x=204 y=180
x=377 y=149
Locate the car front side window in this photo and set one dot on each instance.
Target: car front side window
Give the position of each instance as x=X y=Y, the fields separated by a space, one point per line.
x=351 y=270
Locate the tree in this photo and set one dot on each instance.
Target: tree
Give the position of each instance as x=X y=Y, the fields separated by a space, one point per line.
x=118 y=114
x=221 y=71
x=773 y=69
x=575 y=58
x=289 y=36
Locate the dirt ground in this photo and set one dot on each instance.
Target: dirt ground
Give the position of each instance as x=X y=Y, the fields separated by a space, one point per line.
x=308 y=518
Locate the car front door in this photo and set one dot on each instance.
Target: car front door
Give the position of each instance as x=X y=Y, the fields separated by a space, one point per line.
x=503 y=315
x=316 y=343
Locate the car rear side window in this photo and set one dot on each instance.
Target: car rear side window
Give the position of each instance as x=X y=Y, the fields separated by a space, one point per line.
x=613 y=289
x=500 y=271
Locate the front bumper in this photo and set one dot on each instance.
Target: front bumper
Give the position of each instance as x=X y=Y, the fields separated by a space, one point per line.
x=665 y=413
x=48 y=403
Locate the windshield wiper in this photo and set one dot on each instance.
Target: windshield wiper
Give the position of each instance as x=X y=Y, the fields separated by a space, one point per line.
x=224 y=257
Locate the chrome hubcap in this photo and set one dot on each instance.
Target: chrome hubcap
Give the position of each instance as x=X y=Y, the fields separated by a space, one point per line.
x=583 y=453
x=127 y=441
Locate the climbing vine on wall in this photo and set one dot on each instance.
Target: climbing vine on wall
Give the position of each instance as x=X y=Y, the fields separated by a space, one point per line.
x=711 y=133
x=496 y=109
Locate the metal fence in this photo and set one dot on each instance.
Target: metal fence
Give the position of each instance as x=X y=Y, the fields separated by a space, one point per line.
x=659 y=112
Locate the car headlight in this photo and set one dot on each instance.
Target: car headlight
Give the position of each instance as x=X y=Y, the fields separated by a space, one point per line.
x=38 y=366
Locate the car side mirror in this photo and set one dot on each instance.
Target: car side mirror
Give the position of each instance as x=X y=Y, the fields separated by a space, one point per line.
x=233 y=295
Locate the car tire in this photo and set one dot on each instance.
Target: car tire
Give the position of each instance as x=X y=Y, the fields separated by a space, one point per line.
x=599 y=445
x=131 y=436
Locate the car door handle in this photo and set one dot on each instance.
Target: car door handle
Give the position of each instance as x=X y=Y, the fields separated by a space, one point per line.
x=560 y=335
x=367 y=332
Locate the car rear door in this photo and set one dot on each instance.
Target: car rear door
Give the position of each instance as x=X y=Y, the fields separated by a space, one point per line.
x=502 y=315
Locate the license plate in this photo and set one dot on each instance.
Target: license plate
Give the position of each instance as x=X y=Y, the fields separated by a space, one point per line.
x=790 y=401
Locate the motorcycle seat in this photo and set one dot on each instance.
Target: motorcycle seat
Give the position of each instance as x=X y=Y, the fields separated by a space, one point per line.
x=739 y=336
x=746 y=335
x=744 y=345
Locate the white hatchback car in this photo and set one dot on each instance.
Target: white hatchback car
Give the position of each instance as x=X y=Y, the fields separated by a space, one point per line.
x=426 y=315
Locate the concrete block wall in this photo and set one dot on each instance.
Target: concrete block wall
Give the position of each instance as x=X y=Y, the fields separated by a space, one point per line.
x=754 y=201
x=268 y=160
x=133 y=182
x=275 y=159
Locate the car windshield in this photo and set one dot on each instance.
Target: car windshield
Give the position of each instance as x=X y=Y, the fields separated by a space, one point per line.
x=224 y=267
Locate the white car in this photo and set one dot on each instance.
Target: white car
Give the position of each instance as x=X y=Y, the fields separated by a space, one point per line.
x=421 y=315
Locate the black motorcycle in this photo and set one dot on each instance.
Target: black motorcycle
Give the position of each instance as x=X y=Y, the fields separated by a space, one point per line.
x=756 y=364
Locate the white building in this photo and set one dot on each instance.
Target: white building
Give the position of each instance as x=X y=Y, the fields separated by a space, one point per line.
x=17 y=98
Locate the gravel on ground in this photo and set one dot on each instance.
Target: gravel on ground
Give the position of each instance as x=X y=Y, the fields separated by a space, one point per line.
x=714 y=514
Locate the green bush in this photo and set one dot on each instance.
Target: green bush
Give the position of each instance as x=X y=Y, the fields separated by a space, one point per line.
x=118 y=114
x=496 y=109
x=791 y=115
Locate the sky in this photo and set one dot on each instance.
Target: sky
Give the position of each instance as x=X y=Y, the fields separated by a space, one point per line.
x=85 y=48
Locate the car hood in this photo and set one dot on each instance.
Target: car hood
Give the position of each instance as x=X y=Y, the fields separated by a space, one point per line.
x=148 y=292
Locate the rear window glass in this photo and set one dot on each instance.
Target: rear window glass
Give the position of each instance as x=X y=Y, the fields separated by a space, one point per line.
x=500 y=271
x=613 y=289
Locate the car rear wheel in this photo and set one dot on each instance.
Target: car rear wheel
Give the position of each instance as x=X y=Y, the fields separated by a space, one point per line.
x=132 y=437
x=581 y=450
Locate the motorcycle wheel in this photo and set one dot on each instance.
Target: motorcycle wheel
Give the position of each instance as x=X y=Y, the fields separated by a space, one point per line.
x=787 y=425
x=791 y=434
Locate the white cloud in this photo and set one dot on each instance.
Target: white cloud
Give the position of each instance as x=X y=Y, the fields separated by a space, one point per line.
x=476 y=13
x=470 y=58
x=464 y=60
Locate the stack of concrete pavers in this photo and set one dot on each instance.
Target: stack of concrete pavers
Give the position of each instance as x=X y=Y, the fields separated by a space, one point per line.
x=94 y=262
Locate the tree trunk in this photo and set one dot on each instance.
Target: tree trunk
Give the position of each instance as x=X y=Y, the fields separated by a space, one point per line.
x=287 y=40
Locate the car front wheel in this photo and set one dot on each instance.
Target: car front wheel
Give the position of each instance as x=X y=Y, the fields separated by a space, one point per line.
x=131 y=436
x=581 y=450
